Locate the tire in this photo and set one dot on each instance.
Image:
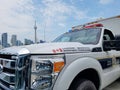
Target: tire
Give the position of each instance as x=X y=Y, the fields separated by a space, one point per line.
x=83 y=84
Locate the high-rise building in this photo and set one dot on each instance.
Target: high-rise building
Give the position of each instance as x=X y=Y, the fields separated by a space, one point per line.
x=19 y=43
x=4 y=40
x=14 y=40
x=28 y=42
x=41 y=41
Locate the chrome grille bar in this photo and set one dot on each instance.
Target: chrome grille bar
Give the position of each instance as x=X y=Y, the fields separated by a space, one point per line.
x=8 y=63
x=9 y=78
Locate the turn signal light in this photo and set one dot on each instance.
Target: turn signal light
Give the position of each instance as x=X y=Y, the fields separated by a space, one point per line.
x=58 y=66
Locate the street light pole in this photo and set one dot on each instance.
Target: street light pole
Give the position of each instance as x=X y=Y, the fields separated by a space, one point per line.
x=35 y=28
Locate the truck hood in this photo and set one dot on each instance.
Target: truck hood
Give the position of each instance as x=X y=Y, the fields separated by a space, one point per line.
x=48 y=48
x=57 y=48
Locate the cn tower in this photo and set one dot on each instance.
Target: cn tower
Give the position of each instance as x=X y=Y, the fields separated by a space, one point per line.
x=35 y=28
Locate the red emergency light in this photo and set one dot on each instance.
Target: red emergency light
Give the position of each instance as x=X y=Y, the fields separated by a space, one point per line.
x=93 y=25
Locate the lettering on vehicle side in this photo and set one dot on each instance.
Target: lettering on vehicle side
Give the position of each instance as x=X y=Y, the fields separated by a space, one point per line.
x=105 y=62
x=78 y=49
x=108 y=62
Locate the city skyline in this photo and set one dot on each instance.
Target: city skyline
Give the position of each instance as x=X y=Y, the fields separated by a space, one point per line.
x=13 y=41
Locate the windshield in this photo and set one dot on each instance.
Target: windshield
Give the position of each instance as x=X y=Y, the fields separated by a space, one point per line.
x=84 y=36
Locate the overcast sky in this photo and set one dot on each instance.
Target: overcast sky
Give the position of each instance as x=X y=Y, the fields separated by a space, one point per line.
x=53 y=17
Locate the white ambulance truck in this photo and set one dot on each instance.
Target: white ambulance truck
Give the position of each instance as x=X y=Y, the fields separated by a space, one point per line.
x=85 y=58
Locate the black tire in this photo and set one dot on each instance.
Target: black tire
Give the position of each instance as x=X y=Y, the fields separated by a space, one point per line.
x=83 y=84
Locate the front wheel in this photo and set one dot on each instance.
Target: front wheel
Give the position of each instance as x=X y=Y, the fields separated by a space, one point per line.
x=83 y=84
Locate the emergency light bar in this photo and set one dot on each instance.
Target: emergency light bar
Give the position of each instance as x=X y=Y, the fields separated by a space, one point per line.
x=90 y=25
x=93 y=25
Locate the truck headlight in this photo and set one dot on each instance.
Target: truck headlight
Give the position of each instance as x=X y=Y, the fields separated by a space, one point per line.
x=45 y=70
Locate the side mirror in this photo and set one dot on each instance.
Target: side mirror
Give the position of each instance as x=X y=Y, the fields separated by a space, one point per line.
x=111 y=45
x=106 y=45
x=117 y=45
